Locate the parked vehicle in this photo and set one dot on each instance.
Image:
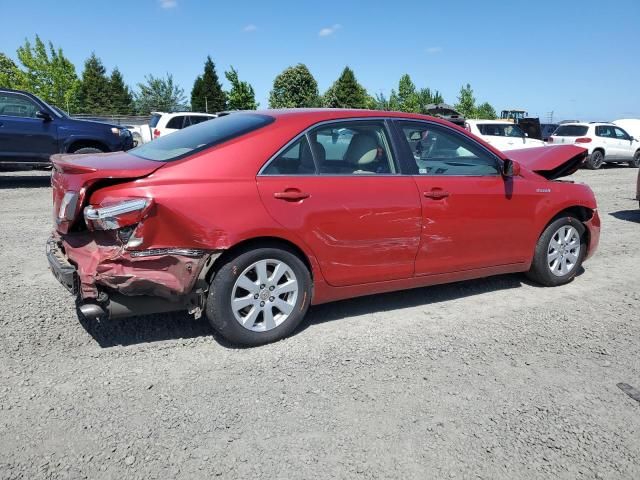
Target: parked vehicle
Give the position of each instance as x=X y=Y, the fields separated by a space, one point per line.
x=165 y=123
x=629 y=125
x=446 y=112
x=254 y=216
x=547 y=130
x=31 y=131
x=606 y=142
x=529 y=125
x=502 y=135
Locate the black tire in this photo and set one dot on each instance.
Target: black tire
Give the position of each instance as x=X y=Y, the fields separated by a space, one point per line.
x=88 y=150
x=635 y=163
x=540 y=271
x=595 y=160
x=220 y=313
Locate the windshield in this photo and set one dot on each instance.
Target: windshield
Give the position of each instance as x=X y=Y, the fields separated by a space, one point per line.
x=500 y=130
x=198 y=137
x=155 y=118
x=571 y=131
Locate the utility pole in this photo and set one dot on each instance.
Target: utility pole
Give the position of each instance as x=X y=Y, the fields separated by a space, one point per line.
x=206 y=105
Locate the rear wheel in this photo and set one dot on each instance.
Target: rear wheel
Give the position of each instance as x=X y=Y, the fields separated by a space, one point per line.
x=559 y=252
x=635 y=163
x=259 y=296
x=596 y=160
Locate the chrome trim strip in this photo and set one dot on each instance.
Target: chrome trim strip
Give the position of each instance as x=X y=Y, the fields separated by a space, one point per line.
x=155 y=252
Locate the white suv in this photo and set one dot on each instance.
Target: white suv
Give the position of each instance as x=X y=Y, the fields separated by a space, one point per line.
x=502 y=134
x=606 y=142
x=164 y=123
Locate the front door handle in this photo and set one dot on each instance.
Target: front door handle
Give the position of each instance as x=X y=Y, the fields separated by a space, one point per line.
x=436 y=194
x=291 y=195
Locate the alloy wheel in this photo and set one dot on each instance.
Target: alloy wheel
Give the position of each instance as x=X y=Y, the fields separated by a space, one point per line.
x=563 y=251
x=264 y=295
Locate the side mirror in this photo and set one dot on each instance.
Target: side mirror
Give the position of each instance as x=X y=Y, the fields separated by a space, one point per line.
x=42 y=115
x=510 y=168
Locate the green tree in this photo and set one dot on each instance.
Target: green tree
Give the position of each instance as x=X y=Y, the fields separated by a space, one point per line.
x=159 y=94
x=10 y=74
x=95 y=90
x=295 y=87
x=407 y=97
x=49 y=74
x=121 y=98
x=466 y=102
x=486 y=111
x=207 y=94
x=241 y=96
x=346 y=92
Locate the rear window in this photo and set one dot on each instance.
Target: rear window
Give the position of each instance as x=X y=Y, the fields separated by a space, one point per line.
x=571 y=131
x=153 y=121
x=198 y=137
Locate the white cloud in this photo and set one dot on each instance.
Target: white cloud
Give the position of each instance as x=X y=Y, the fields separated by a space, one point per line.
x=250 y=28
x=434 y=50
x=168 y=3
x=325 y=32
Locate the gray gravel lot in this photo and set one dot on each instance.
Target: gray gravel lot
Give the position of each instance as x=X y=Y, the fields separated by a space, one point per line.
x=493 y=378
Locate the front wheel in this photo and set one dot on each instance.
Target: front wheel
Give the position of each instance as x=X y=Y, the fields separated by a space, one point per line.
x=635 y=163
x=259 y=296
x=559 y=252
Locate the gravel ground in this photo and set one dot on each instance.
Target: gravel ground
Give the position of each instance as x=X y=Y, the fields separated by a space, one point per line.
x=494 y=378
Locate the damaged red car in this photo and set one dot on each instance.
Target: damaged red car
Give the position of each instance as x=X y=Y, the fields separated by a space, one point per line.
x=252 y=217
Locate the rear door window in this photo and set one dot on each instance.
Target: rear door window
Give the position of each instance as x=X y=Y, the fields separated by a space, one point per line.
x=176 y=123
x=153 y=121
x=199 y=137
x=571 y=131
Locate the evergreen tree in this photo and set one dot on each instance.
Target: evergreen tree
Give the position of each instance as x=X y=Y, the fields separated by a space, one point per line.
x=241 y=96
x=49 y=74
x=95 y=89
x=407 y=96
x=207 y=94
x=346 y=92
x=120 y=95
x=295 y=87
x=10 y=74
x=466 y=102
x=159 y=94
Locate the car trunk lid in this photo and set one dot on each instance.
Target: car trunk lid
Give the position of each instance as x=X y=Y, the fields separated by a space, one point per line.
x=551 y=162
x=74 y=176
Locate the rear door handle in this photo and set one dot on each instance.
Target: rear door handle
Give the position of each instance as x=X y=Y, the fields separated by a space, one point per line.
x=436 y=194
x=291 y=195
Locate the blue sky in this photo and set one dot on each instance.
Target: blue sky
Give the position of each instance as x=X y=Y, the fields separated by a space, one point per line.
x=576 y=58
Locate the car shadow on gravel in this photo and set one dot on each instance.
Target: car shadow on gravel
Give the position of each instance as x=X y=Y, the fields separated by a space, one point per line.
x=24 y=181
x=176 y=326
x=146 y=329
x=628 y=215
x=410 y=298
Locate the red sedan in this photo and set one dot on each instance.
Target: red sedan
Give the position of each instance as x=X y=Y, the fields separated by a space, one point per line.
x=253 y=216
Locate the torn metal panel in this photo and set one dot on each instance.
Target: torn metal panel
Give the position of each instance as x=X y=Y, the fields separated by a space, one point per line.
x=102 y=260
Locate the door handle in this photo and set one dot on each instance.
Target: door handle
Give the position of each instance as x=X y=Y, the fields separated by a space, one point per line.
x=436 y=194
x=291 y=195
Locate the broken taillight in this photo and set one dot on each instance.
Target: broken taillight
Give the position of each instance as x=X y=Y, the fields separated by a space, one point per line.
x=118 y=215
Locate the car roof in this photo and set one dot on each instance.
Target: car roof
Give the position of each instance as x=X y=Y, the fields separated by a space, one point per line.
x=494 y=122
x=314 y=115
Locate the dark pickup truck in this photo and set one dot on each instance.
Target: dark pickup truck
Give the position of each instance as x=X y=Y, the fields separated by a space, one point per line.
x=31 y=131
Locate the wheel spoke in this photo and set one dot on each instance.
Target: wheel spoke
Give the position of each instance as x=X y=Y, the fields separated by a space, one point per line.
x=261 y=272
x=290 y=286
x=553 y=256
x=278 y=272
x=250 y=320
x=242 y=302
x=247 y=284
x=267 y=314
x=573 y=257
x=283 y=306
